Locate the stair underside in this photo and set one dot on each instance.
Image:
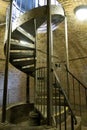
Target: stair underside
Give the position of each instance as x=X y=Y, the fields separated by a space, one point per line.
x=26 y=21
x=39 y=13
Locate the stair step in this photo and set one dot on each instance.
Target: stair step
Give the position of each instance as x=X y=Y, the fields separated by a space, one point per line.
x=21 y=54
x=19 y=46
x=43 y=92
x=23 y=63
x=28 y=70
x=43 y=110
x=20 y=36
x=26 y=33
x=42 y=78
x=31 y=25
x=56 y=101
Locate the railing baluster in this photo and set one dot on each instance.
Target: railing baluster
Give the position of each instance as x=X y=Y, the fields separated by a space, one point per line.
x=59 y=109
x=56 y=99
x=77 y=90
x=56 y=102
x=80 y=98
x=41 y=92
x=73 y=92
x=72 y=123
x=86 y=96
x=65 y=114
x=39 y=89
x=44 y=91
x=68 y=89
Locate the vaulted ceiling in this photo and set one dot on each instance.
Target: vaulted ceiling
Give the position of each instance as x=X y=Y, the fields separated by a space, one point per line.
x=77 y=37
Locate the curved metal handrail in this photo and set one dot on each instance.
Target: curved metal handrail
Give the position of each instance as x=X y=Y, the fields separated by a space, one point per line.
x=76 y=78
x=65 y=96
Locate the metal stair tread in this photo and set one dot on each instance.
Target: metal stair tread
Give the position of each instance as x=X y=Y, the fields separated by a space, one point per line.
x=23 y=63
x=26 y=33
x=20 y=54
x=45 y=97
x=28 y=70
x=19 y=46
x=20 y=36
x=44 y=109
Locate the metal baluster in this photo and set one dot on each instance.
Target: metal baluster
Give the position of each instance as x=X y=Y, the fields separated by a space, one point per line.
x=80 y=99
x=68 y=88
x=38 y=89
x=56 y=103
x=46 y=89
x=59 y=109
x=72 y=123
x=37 y=85
x=27 y=89
x=86 y=96
x=38 y=3
x=20 y=7
x=73 y=92
x=44 y=93
x=42 y=90
x=65 y=114
x=26 y=4
x=15 y=9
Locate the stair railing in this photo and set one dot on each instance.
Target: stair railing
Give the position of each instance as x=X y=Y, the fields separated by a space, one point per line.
x=61 y=106
x=40 y=96
x=77 y=93
x=63 y=102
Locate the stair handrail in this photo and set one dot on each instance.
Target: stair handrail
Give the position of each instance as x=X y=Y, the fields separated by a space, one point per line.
x=65 y=96
x=75 y=78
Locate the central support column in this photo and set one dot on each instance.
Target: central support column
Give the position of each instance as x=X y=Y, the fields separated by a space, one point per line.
x=49 y=64
x=7 y=66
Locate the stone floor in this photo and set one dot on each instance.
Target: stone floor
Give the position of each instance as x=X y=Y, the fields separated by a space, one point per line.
x=84 y=128
x=25 y=126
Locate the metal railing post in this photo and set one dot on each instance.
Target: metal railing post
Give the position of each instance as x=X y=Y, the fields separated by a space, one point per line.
x=35 y=60
x=27 y=89
x=66 y=40
x=49 y=64
x=7 y=66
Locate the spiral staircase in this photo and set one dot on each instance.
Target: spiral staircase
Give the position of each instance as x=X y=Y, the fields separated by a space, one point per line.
x=23 y=55
x=24 y=29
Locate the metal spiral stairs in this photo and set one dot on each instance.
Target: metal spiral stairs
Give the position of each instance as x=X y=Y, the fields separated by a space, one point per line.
x=23 y=57
x=24 y=28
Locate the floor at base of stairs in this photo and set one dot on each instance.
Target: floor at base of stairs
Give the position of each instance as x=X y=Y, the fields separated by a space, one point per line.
x=84 y=128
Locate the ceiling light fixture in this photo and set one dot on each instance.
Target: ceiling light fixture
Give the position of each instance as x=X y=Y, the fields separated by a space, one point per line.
x=81 y=12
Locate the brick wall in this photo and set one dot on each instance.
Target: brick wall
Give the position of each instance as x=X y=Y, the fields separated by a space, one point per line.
x=16 y=79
